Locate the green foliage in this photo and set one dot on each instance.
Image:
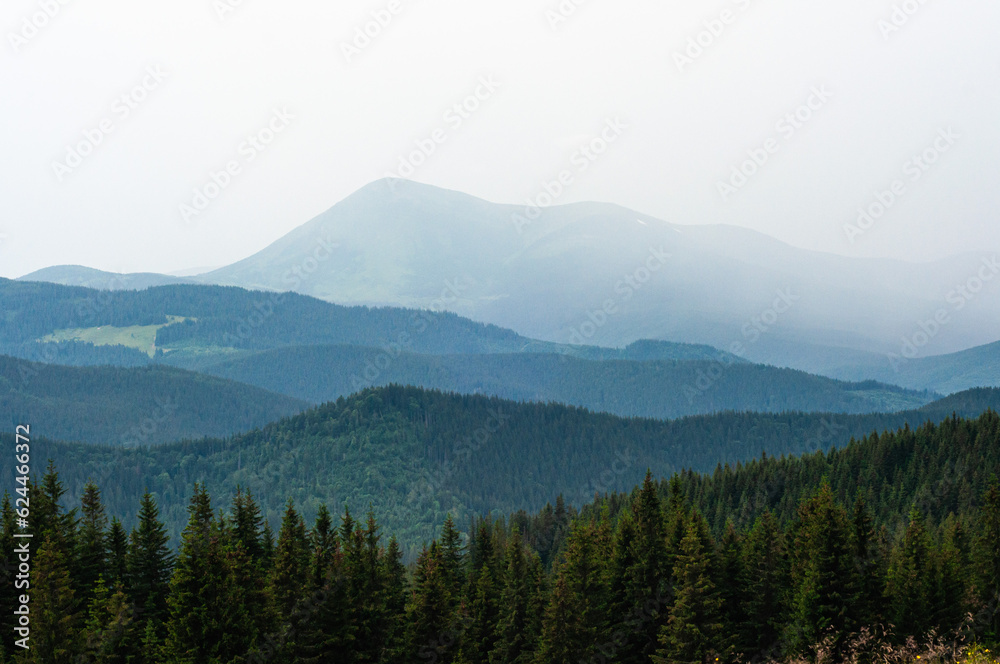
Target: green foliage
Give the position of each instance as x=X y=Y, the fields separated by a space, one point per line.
x=417 y=455
x=136 y=407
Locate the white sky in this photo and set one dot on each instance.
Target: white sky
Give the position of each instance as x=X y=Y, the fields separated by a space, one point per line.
x=224 y=76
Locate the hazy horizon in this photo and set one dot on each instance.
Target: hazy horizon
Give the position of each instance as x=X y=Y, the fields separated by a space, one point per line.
x=160 y=100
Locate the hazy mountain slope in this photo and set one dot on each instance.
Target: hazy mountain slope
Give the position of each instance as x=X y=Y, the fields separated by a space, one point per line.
x=414 y=455
x=953 y=372
x=237 y=318
x=77 y=275
x=116 y=406
x=599 y=273
x=660 y=389
x=222 y=321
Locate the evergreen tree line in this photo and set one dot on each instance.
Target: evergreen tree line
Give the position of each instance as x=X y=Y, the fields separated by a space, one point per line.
x=643 y=580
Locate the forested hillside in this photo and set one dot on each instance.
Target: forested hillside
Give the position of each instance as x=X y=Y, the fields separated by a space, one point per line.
x=237 y=318
x=416 y=455
x=659 y=389
x=884 y=551
x=139 y=406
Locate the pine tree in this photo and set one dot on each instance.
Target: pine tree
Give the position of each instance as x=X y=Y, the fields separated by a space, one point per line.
x=113 y=635
x=868 y=567
x=8 y=593
x=92 y=543
x=910 y=585
x=453 y=559
x=394 y=588
x=823 y=570
x=432 y=628
x=209 y=618
x=728 y=579
x=55 y=621
x=987 y=556
x=323 y=543
x=694 y=625
x=512 y=645
x=952 y=564
x=480 y=637
x=289 y=573
x=575 y=623
x=765 y=579
x=559 y=644
x=117 y=549
x=149 y=563
x=248 y=525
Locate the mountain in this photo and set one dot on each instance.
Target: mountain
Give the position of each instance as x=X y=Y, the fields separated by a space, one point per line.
x=77 y=275
x=953 y=372
x=415 y=455
x=317 y=351
x=649 y=388
x=201 y=324
x=594 y=273
x=139 y=406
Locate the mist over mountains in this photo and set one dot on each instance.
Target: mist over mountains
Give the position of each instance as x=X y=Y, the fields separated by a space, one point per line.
x=599 y=274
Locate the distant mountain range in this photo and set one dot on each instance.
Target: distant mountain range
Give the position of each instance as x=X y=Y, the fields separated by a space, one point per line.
x=599 y=274
x=315 y=351
x=651 y=388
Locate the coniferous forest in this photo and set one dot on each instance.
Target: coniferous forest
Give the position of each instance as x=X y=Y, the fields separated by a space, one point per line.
x=842 y=555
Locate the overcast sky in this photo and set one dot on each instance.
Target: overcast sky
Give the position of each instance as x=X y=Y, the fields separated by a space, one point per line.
x=200 y=76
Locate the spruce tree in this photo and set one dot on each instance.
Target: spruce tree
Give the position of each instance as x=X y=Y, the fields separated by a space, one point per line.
x=765 y=579
x=823 y=569
x=209 y=618
x=149 y=563
x=910 y=584
x=117 y=549
x=987 y=556
x=113 y=634
x=431 y=619
x=694 y=625
x=511 y=644
x=8 y=559
x=55 y=620
x=92 y=542
x=289 y=573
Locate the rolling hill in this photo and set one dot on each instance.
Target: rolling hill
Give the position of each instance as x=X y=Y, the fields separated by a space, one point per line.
x=138 y=406
x=414 y=455
x=650 y=388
